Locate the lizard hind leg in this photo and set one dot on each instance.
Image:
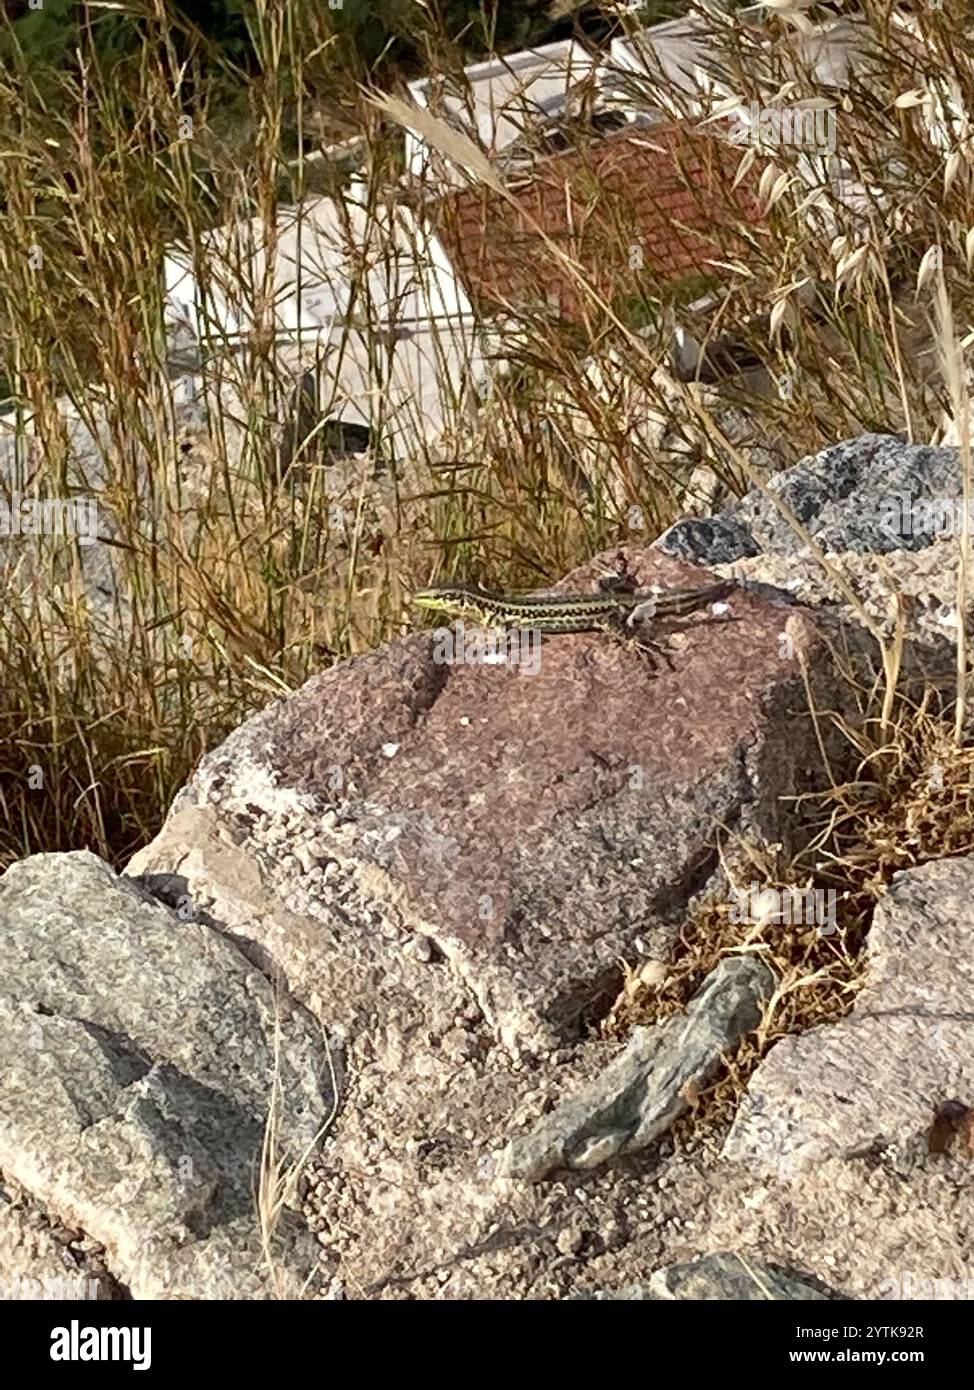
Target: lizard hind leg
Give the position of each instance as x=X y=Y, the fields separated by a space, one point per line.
x=643 y=646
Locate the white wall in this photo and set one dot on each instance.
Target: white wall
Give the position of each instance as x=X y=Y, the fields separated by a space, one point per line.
x=401 y=349
x=497 y=99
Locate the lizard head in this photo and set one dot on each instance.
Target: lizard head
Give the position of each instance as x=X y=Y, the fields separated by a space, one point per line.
x=455 y=600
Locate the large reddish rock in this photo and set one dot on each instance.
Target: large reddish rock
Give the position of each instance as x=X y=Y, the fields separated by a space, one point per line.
x=534 y=830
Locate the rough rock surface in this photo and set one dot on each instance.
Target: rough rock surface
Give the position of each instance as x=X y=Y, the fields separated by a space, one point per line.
x=876 y=1080
x=644 y=1089
x=138 y=1065
x=448 y=863
x=450 y=881
x=40 y=1258
x=727 y=1276
x=452 y=799
x=860 y=495
x=915 y=588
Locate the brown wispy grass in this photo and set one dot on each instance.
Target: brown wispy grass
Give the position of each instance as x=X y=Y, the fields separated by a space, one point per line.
x=909 y=800
x=234 y=589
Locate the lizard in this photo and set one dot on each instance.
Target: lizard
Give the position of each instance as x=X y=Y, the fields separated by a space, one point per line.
x=614 y=609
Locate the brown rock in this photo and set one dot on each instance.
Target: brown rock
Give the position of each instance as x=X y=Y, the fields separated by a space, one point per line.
x=954 y=1121
x=534 y=827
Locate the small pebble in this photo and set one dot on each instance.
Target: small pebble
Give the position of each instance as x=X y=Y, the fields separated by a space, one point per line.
x=418 y=948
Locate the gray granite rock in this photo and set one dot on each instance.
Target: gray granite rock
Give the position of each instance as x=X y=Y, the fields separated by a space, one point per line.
x=876 y=1080
x=137 y=1063
x=643 y=1090
x=709 y=540
x=872 y=494
x=727 y=1277
x=731 y=1277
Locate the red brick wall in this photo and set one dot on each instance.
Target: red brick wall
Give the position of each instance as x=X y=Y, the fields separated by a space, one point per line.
x=666 y=190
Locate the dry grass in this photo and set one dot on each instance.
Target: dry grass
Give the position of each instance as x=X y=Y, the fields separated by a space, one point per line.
x=281 y=1169
x=234 y=589
x=910 y=800
x=235 y=584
